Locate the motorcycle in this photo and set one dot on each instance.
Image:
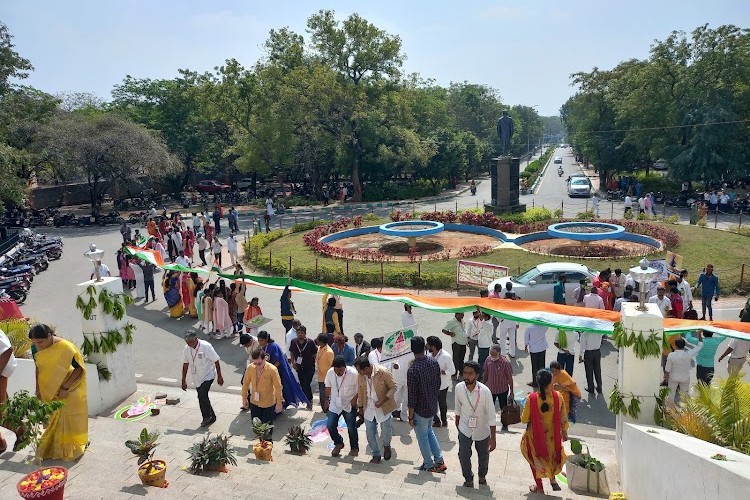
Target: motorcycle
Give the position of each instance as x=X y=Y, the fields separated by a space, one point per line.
x=613 y=194
x=15 y=281
x=15 y=292
x=38 y=262
x=560 y=172
x=473 y=189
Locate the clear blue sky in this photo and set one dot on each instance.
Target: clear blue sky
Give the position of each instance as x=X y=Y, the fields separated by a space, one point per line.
x=91 y=45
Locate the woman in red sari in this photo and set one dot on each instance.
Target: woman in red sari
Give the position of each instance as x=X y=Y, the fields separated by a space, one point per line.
x=188 y=240
x=547 y=427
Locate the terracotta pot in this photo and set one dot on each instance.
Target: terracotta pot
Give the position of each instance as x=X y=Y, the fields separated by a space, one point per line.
x=154 y=477
x=262 y=453
x=217 y=468
x=54 y=490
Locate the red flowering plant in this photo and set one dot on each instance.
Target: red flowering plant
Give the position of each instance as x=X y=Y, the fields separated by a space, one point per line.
x=49 y=478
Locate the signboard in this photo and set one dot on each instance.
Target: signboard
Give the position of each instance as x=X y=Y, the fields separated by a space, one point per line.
x=478 y=273
x=397 y=343
x=661 y=266
x=257 y=322
x=674 y=263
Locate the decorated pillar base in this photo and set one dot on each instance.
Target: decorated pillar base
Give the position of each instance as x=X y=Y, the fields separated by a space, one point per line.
x=640 y=377
x=104 y=341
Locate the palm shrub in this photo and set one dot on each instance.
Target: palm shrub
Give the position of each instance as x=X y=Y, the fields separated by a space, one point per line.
x=17 y=331
x=718 y=413
x=212 y=453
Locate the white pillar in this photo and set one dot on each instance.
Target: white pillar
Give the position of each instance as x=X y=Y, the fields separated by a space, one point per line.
x=638 y=376
x=103 y=394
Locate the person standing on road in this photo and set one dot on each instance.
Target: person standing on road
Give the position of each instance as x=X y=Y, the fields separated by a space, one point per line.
x=709 y=285
x=567 y=387
x=202 y=247
x=484 y=341
x=216 y=247
x=558 y=292
x=737 y=351
x=628 y=204
x=590 y=354
x=232 y=249
x=457 y=332
x=303 y=353
x=498 y=376
x=435 y=347
x=341 y=400
x=200 y=359
x=263 y=383
x=684 y=287
x=375 y=399
x=566 y=349
x=595 y=203
x=677 y=369
x=617 y=280
x=423 y=382
x=535 y=340
x=217 y=220
x=147 y=269
x=705 y=359
x=476 y=421
x=287 y=307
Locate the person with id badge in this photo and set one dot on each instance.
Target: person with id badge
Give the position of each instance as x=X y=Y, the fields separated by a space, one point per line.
x=200 y=359
x=261 y=384
x=476 y=422
x=303 y=353
x=341 y=400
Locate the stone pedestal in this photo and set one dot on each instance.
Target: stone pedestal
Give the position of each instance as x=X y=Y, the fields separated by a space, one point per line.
x=638 y=376
x=504 y=172
x=103 y=394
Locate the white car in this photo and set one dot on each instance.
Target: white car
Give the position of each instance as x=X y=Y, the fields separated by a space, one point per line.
x=537 y=283
x=579 y=186
x=246 y=183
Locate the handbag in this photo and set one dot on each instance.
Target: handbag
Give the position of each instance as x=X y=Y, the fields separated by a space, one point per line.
x=690 y=313
x=511 y=413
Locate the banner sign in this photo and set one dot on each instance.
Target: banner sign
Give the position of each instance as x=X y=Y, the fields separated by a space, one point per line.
x=674 y=263
x=478 y=273
x=397 y=343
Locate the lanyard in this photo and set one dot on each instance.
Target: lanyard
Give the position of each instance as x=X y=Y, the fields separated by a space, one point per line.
x=196 y=351
x=259 y=373
x=338 y=386
x=302 y=350
x=468 y=399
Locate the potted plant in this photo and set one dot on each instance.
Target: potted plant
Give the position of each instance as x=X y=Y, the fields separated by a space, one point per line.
x=48 y=483
x=151 y=472
x=585 y=472
x=26 y=415
x=298 y=439
x=211 y=454
x=263 y=447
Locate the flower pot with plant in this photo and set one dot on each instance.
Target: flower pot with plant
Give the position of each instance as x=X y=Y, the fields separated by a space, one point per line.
x=263 y=447
x=298 y=439
x=211 y=454
x=48 y=483
x=151 y=472
x=585 y=472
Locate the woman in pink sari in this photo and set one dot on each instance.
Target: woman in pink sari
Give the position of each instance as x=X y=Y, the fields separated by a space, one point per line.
x=222 y=321
x=188 y=240
x=547 y=427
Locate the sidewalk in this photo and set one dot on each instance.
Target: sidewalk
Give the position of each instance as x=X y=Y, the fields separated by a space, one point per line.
x=108 y=469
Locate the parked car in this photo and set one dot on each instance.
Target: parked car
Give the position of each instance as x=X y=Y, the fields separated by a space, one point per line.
x=579 y=186
x=660 y=165
x=276 y=189
x=246 y=183
x=558 y=159
x=537 y=283
x=211 y=186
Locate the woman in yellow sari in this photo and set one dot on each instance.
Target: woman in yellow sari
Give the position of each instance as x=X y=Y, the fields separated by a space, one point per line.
x=541 y=444
x=171 y=286
x=61 y=375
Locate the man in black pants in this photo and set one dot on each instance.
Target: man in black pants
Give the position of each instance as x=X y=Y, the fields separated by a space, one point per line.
x=303 y=353
x=535 y=341
x=590 y=354
x=200 y=360
x=148 y=278
x=435 y=347
x=456 y=330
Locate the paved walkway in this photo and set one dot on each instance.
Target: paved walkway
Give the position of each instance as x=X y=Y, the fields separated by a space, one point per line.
x=108 y=469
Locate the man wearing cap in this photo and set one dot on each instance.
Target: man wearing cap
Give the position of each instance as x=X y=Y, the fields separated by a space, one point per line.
x=200 y=359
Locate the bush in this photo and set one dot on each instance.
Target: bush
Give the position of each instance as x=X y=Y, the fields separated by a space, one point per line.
x=254 y=245
x=642 y=216
x=628 y=215
x=370 y=217
x=585 y=215
x=558 y=212
x=655 y=182
x=306 y=226
x=672 y=219
x=744 y=231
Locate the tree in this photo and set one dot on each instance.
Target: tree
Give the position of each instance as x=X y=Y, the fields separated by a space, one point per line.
x=362 y=55
x=103 y=148
x=12 y=65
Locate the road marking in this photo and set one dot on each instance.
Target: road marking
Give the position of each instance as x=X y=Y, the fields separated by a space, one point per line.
x=234 y=387
x=165 y=379
x=138 y=375
x=605 y=432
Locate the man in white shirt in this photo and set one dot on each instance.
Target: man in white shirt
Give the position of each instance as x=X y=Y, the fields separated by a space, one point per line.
x=181 y=260
x=435 y=347
x=508 y=330
x=473 y=331
x=232 y=249
x=476 y=422
x=456 y=330
x=628 y=204
x=684 y=287
x=484 y=341
x=593 y=300
x=579 y=293
x=590 y=354
x=738 y=350
x=376 y=353
x=566 y=354
x=375 y=399
x=200 y=359
x=196 y=223
x=341 y=400
x=661 y=300
x=617 y=280
x=678 y=367
x=535 y=340
x=290 y=336
x=202 y=247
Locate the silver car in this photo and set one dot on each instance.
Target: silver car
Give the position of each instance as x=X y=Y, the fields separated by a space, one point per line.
x=537 y=283
x=579 y=186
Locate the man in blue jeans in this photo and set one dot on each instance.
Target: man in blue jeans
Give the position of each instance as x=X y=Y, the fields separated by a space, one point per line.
x=341 y=400
x=423 y=383
x=709 y=284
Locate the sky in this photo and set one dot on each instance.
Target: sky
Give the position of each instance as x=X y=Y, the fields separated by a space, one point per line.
x=525 y=49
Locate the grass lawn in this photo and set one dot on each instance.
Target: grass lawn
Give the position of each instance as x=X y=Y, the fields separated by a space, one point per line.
x=698 y=246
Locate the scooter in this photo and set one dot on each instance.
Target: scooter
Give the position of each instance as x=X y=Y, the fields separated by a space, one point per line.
x=560 y=172
x=15 y=292
x=473 y=189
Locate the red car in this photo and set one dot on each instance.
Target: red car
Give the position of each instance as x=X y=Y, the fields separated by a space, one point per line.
x=210 y=186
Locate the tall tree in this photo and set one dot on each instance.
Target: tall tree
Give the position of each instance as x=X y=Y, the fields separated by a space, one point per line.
x=12 y=65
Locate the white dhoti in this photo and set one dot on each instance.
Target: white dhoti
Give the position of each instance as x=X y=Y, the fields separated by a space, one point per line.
x=140 y=288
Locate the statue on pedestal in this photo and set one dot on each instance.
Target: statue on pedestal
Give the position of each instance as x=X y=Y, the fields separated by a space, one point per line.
x=505 y=132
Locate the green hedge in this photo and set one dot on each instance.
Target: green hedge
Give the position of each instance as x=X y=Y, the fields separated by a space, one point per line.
x=536 y=214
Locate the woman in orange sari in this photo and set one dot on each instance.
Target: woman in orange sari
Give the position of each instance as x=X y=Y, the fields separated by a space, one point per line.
x=152 y=229
x=187 y=291
x=546 y=429
x=252 y=310
x=61 y=375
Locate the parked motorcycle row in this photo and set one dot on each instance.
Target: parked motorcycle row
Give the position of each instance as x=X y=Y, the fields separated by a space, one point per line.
x=31 y=257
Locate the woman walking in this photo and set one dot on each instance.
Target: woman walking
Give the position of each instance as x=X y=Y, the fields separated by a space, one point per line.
x=541 y=444
x=61 y=375
x=252 y=310
x=222 y=322
x=171 y=286
x=293 y=393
